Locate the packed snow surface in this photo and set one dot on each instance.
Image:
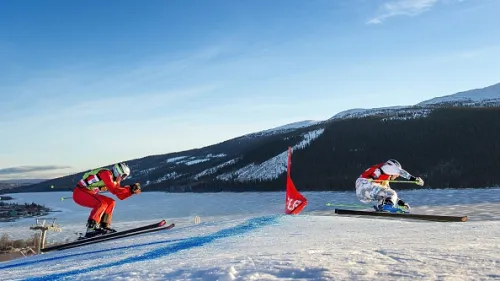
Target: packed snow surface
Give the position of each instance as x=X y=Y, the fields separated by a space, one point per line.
x=246 y=236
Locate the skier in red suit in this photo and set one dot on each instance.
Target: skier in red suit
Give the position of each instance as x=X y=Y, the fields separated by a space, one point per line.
x=86 y=194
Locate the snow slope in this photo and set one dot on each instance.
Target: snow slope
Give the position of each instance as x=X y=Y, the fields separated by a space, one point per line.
x=245 y=236
x=273 y=167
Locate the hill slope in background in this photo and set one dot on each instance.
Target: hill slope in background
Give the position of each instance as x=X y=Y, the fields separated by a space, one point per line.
x=449 y=141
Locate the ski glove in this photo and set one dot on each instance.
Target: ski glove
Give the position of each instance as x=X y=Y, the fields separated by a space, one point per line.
x=135 y=188
x=417 y=180
x=420 y=181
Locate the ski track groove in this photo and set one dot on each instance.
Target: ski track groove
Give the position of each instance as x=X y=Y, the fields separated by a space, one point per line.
x=186 y=244
x=388 y=256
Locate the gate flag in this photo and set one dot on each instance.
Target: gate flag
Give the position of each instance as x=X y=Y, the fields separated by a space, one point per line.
x=295 y=201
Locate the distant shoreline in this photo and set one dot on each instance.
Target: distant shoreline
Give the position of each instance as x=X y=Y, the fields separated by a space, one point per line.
x=10 y=212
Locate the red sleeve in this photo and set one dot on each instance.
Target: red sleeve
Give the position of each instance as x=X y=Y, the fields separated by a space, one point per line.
x=120 y=191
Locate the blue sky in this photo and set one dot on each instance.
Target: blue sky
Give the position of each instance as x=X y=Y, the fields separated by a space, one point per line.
x=88 y=83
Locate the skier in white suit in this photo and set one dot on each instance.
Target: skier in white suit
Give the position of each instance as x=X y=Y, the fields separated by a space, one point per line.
x=373 y=186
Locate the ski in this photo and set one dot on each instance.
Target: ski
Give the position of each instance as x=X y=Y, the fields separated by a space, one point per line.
x=439 y=218
x=115 y=235
x=119 y=236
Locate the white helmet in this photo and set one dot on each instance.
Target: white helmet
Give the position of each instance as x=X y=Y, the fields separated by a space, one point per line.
x=394 y=162
x=121 y=169
x=392 y=167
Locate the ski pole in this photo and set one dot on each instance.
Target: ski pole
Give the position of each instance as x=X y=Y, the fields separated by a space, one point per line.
x=358 y=206
x=62 y=198
x=393 y=181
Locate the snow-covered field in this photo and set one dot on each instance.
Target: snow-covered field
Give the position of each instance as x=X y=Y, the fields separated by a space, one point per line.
x=246 y=236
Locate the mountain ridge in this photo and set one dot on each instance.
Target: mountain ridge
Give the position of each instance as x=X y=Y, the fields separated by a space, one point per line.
x=256 y=159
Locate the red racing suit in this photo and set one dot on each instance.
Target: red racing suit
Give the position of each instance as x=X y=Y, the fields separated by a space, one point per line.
x=86 y=194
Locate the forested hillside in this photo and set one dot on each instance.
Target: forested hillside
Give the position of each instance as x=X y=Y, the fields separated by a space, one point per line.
x=455 y=147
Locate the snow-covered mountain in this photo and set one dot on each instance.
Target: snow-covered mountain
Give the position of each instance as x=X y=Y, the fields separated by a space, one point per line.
x=261 y=156
x=269 y=169
x=488 y=96
x=395 y=112
x=285 y=128
x=484 y=96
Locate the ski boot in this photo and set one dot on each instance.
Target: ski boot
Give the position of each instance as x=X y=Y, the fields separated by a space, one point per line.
x=391 y=209
x=105 y=227
x=93 y=229
x=105 y=223
x=388 y=206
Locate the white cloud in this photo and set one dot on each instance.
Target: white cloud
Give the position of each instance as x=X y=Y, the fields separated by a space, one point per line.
x=28 y=169
x=34 y=172
x=402 y=8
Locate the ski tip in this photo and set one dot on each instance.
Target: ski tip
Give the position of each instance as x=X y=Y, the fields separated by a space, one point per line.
x=162 y=223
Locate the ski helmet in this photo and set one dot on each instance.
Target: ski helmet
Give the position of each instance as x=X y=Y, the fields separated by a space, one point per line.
x=394 y=162
x=121 y=169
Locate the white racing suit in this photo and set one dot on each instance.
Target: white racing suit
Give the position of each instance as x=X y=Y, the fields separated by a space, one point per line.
x=368 y=191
